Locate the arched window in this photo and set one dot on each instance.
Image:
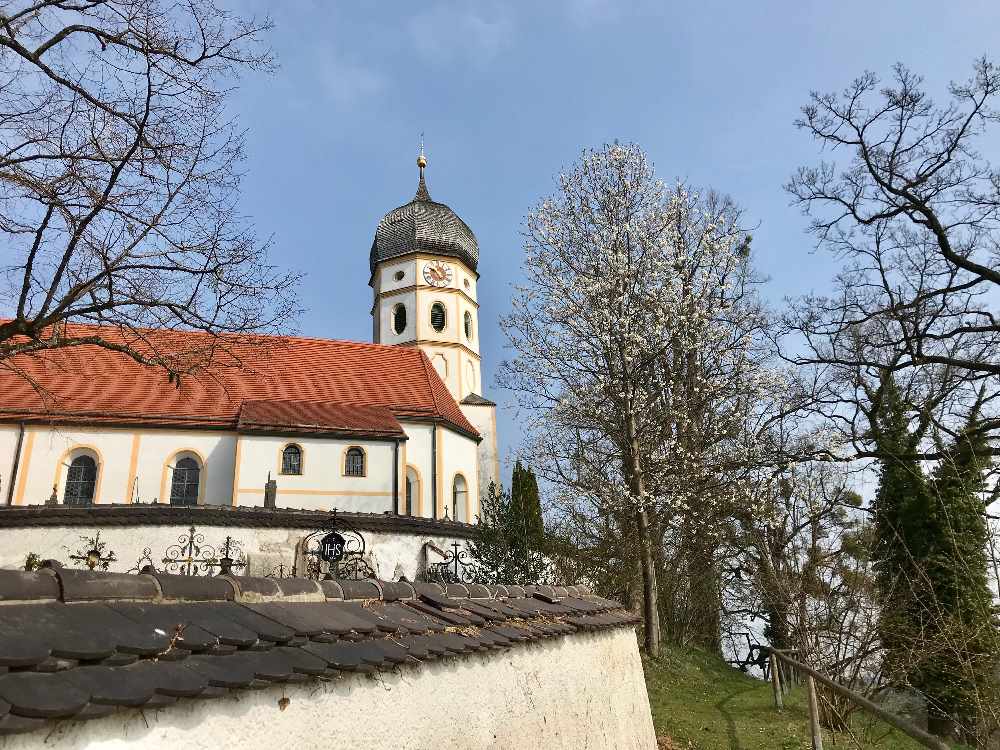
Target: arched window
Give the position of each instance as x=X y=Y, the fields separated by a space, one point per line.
x=185 y=481
x=291 y=459
x=412 y=491
x=438 y=316
x=398 y=319
x=468 y=325
x=459 y=493
x=354 y=463
x=81 y=481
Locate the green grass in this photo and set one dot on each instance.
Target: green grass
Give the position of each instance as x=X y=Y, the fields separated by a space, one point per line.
x=701 y=703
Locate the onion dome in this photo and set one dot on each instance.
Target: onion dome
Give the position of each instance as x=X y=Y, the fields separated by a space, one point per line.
x=424 y=226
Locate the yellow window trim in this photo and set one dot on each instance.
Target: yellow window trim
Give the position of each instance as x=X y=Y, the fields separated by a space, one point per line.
x=281 y=460
x=364 y=462
x=165 y=475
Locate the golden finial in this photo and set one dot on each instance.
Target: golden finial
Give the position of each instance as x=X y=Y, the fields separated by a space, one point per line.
x=422 y=194
x=421 y=159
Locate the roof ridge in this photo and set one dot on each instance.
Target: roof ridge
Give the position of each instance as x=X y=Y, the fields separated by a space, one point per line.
x=430 y=384
x=273 y=336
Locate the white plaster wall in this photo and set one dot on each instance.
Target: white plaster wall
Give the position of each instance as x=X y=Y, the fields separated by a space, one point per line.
x=157 y=451
x=385 y=275
x=584 y=692
x=390 y=555
x=386 y=334
x=322 y=485
x=459 y=454
x=465 y=306
x=484 y=419
x=8 y=447
x=44 y=461
x=46 y=453
x=426 y=297
x=417 y=451
x=463 y=275
x=469 y=369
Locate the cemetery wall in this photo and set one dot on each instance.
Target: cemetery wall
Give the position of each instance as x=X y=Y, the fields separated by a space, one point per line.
x=584 y=691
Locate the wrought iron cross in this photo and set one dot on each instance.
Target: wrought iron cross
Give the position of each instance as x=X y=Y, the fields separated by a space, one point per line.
x=95 y=555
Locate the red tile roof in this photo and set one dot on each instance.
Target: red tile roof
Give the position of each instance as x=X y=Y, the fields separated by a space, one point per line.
x=309 y=417
x=90 y=384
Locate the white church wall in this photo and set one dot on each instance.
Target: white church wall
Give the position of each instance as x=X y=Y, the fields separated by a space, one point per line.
x=465 y=306
x=459 y=455
x=391 y=555
x=131 y=463
x=385 y=275
x=8 y=450
x=417 y=450
x=426 y=298
x=484 y=419
x=584 y=691
x=323 y=484
x=466 y=280
x=158 y=451
x=136 y=465
x=47 y=452
x=386 y=305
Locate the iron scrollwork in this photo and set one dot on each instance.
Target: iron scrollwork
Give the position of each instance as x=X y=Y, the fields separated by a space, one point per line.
x=95 y=553
x=144 y=564
x=351 y=564
x=191 y=556
x=458 y=566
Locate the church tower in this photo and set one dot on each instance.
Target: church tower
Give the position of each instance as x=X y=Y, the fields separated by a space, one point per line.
x=423 y=276
x=423 y=263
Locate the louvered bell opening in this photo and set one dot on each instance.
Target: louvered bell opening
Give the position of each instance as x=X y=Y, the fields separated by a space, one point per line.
x=437 y=316
x=399 y=319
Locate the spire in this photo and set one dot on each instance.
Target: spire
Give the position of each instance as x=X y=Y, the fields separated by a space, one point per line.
x=422 y=194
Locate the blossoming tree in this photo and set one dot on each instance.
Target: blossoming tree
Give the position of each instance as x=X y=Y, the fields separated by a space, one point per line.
x=638 y=356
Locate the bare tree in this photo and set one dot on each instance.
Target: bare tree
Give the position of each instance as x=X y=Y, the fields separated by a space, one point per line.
x=916 y=209
x=119 y=178
x=915 y=212
x=805 y=551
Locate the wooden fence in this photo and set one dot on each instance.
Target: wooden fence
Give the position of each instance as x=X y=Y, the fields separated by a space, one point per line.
x=794 y=669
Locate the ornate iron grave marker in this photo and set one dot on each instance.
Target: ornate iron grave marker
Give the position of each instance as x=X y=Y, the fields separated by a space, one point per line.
x=337 y=550
x=331 y=547
x=191 y=556
x=458 y=566
x=95 y=554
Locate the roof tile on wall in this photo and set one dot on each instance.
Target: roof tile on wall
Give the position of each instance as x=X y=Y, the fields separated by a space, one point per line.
x=148 y=654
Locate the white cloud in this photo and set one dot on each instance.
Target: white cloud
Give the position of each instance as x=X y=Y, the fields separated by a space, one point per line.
x=451 y=29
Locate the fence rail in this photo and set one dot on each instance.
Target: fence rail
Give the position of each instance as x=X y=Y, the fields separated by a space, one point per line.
x=777 y=656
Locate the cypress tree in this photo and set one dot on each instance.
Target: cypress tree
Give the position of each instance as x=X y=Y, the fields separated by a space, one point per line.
x=526 y=504
x=962 y=642
x=901 y=536
x=502 y=549
x=931 y=568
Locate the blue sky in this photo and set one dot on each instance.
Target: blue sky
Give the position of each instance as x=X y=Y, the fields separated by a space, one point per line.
x=508 y=93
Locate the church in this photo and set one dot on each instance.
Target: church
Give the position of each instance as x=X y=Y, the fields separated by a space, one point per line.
x=396 y=426
x=166 y=575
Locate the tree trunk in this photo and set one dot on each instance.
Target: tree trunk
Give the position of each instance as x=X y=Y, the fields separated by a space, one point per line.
x=650 y=595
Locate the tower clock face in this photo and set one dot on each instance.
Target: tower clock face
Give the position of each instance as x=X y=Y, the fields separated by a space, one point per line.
x=437 y=273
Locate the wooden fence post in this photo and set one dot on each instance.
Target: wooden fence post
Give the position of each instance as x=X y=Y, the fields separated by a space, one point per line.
x=906 y=727
x=776 y=683
x=817 y=733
